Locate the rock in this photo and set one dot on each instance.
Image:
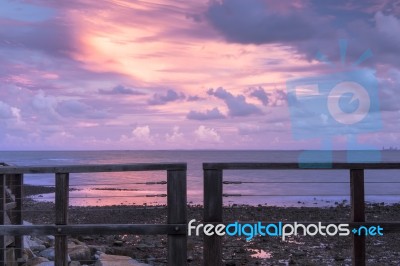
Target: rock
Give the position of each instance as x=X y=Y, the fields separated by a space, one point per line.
x=241 y=250
x=113 y=260
x=95 y=248
x=47 y=263
x=298 y=253
x=97 y=255
x=79 y=252
x=85 y=238
x=25 y=241
x=35 y=244
x=38 y=248
x=49 y=253
x=35 y=261
x=72 y=241
x=338 y=258
x=27 y=254
x=144 y=246
x=50 y=240
x=74 y=263
x=150 y=260
x=118 y=243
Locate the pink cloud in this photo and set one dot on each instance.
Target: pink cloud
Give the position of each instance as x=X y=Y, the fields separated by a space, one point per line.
x=115 y=76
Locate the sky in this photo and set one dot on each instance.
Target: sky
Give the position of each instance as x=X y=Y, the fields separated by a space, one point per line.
x=119 y=74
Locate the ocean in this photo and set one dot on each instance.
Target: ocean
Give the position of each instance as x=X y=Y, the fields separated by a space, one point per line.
x=272 y=187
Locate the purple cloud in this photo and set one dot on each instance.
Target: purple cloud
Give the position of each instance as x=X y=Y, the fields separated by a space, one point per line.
x=207 y=115
x=53 y=36
x=389 y=91
x=278 y=98
x=312 y=26
x=194 y=98
x=120 y=90
x=255 y=22
x=170 y=96
x=74 y=108
x=261 y=95
x=237 y=105
x=6 y=111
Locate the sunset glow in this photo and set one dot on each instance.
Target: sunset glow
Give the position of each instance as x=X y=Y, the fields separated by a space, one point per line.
x=121 y=74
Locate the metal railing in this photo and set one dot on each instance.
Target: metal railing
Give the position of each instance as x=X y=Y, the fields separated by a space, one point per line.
x=11 y=182
x=213 y=201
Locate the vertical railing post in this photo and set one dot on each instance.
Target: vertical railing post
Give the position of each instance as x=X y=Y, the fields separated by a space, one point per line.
x=2 y=218
x=17 y=183
x=62 y=198
x=357 y=214
x=212 y=214
x=177 y=214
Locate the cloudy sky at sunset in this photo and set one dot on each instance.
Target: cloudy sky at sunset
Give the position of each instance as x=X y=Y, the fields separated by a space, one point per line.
x=163 y=74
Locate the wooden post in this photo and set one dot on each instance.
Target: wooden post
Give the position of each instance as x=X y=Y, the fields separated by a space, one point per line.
x=212 y=214
x=357 y=214
x=2 y=218
x=177 y=214
x=62 y=198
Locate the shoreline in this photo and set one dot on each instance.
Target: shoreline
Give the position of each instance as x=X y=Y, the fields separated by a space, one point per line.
x=297 y=250
x=87 y=197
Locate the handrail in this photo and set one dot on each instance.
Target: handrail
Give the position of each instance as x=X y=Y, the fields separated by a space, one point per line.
x=176 y=208
x=213 y=199
x=297 y=166
x=91 y=168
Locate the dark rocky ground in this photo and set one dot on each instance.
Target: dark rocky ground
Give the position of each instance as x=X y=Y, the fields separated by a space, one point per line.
x=300 y=250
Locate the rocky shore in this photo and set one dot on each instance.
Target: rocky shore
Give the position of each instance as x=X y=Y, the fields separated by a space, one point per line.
x=141 y=250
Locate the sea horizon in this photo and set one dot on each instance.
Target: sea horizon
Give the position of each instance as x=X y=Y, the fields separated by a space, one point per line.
x=320 y=188
x=197 y=149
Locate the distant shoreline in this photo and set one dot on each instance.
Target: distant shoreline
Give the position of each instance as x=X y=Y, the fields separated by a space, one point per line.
x=31 y=190
x=42 y=193
x=121 y=150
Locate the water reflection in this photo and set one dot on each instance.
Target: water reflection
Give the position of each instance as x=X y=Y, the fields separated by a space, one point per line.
x=260 y=254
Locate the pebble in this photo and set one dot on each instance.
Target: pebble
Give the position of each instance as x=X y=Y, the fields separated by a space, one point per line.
x=118 y=243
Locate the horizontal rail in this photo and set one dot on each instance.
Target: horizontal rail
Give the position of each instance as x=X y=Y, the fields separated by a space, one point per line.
x=94 y=229
x=297 y=166
x=91 y=168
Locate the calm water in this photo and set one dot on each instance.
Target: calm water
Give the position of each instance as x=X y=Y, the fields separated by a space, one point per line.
x=264 y=187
